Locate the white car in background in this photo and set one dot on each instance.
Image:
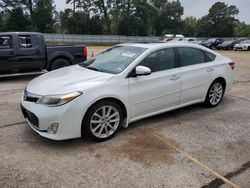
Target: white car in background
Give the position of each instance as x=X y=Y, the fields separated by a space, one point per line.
x=244 y=45
x=190 y=40
x=123 y=84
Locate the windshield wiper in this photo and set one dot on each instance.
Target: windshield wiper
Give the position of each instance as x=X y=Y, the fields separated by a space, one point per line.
x=93 y=68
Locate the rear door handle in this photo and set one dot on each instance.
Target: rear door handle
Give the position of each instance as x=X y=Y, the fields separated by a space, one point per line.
x=174 y=77
x=210 y=69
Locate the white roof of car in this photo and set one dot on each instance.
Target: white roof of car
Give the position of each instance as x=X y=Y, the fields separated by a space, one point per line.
x=162 y=44
x=159 y=45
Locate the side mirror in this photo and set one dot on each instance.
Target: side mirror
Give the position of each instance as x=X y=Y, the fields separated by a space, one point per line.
x=142 y=71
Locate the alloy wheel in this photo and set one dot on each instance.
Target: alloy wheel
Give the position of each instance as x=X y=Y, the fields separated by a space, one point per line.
x=216 y=93
x=104 y=121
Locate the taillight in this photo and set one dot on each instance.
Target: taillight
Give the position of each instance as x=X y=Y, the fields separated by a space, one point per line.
x=85 y=52
x=232 y=65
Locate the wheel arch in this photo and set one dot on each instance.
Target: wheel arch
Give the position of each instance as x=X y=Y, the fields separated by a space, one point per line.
x=118 y=101
x=59 y=55
x=222 y=80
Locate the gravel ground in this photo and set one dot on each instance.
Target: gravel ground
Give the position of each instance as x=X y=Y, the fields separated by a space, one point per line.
x=190 y=147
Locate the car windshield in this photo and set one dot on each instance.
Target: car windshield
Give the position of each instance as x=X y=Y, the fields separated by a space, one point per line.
x=114 y=60
x=246 y=42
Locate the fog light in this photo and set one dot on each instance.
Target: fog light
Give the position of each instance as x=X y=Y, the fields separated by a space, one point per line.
x=53 y=128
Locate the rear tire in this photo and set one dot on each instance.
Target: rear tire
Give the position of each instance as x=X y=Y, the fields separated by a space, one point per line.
x=215 y=94
x=59 y=63
x=102 y=121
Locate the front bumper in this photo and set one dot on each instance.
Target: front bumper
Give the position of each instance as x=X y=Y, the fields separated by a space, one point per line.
x=242 y=48
x=68 y=116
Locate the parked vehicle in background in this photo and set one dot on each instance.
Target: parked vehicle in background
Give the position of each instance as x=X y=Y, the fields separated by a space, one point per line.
x=212 y=43
x=189 y=40
x=179 y=36
x=176 y=40
x=244 y=45
x=27 y=52
x=168 y=37
x=172 y=37
x=192 y=40
x=123 y=84
x=227 y=45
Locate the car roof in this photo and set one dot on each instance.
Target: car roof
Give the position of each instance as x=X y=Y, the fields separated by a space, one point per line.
x=156 y=45
x=159 y=45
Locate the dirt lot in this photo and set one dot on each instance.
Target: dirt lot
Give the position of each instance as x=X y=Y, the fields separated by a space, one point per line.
x=190 y=147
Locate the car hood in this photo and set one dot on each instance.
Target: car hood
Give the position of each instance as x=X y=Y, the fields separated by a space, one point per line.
x=67 y=80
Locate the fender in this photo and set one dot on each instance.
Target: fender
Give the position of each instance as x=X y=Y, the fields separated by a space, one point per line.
x=59 y=54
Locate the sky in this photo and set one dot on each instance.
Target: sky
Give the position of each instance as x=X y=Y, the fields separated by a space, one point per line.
x=196 y=8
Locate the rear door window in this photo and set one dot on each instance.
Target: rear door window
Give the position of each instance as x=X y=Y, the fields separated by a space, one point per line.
x=191 y=56
x=209 y=56
x=5 y=42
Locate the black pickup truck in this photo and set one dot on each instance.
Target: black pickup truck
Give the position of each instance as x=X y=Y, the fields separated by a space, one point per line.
x=27 y=52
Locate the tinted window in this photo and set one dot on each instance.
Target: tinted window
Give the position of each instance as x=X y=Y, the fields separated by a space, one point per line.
x=25 y=42
x=191 y=56
x=160 y=60
x=5 y=41
x=210 y=56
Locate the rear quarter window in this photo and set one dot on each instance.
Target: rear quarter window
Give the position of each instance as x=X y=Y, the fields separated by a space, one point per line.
x=209 y=56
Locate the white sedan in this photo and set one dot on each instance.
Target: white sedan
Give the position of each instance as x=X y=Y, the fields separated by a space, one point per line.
x=123 y=84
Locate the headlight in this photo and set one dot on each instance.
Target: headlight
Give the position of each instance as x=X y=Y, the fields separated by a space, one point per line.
x=57 y=100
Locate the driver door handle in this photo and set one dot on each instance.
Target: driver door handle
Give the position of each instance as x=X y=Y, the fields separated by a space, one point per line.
x=174 y=77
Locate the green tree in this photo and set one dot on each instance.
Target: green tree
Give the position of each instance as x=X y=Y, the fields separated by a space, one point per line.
x=73 y=2
x=43 y=15
x=74 y=23
x=190 y=26
x=219 y=22
x=17 y=21
x=242 y=30
x=94 y=25
x=159 y=3
x=169 y=19
x=101 y=8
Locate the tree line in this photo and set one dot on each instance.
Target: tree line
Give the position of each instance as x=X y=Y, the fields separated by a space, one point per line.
x=120 y=17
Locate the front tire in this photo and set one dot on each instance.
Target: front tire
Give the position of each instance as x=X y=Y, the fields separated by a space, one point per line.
x=102 y=121
x=215 y=94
